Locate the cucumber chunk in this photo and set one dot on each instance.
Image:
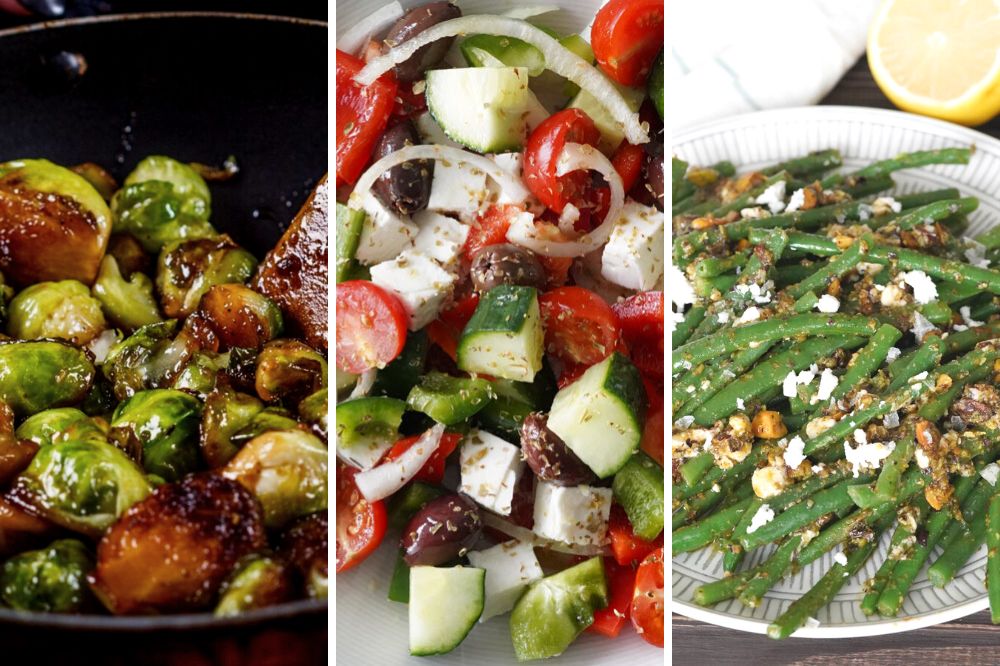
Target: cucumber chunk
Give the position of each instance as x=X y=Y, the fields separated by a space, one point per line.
x=349 y=225
x=482 y=108
x=504 y=337
x=502 y=51
x=600 y=415
x=611 y=131
x=638 y=487
x=555 y=610
x=444 y=606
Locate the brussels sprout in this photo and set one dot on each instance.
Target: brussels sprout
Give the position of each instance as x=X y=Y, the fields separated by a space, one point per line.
x=98 y=177
x=82 y=484
x=240 y=316
x=62 y=309
x=226 y=412
x=242 y=368
x=100 y=399
x=186 y=270
x=35 y=376
x=315 y=410
x=147 y=359
x=287 y=470
x=55 y=225
x=163 y=201
x=305 y=546
x=20 y=529
x=129 y=254
x=164 y=422
x=200 y=374
x=15 y=455
x=54 y=425
x=173 y=551
x=128 y=303
x=51 y=580
x=289 y=370
x=259 y=582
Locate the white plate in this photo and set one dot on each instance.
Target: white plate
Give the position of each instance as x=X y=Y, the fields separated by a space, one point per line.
x=372 y=629
x=862 y=135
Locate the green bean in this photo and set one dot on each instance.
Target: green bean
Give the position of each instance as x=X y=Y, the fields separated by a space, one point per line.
x=924 y=358
x=678 y=168
x=837 y=267
x=937 y=211
x=714 y=266
x=993 y=556
x=916 y=159
x=962 y=540
x=867 y=360
x=770 y=572
x=875 y=585
x=703 y=532
x=683 y=330
x=820 y=160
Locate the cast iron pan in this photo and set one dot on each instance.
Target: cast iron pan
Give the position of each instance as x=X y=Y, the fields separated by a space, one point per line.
x=198 y=87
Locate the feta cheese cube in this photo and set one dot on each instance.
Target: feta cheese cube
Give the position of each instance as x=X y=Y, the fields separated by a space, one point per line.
x=633 y=257
x=457 y=188
x=441 y=238
x=490 y=469
x=573 y=515
x=512 y=163
x=384 y=234
x=510 y=568
x=420 y=284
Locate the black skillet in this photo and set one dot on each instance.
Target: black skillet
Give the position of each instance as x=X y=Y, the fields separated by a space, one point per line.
x=198 y=87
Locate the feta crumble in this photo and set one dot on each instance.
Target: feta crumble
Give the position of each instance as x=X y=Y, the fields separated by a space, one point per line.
x=828 y=304
x=894 y=353
x=966 y=313
x=891 y=420
x=866 y=455
x=827 y=383
x=795 y=452
x=773 y=197
x=924 y=289
x=840 y=559
x=740 y=404
x=797 y=199
x=990 y=473
x=921 y=326
x=764 y=515
x=975 y=252
x=751 y=314
x=681 y=290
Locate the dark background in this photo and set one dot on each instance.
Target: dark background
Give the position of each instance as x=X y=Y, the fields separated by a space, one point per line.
x=42 y=9
x=972 y=640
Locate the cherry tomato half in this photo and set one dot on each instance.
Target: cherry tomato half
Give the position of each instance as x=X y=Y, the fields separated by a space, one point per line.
x=628 y=161
x=490 y=228
x=647 y=602
x=541 y=156
x=627 y=36
x=371 y=326
x=653 y=433
x=447 y=328
x=580 y=328
x=362 y=114
x=360 y=523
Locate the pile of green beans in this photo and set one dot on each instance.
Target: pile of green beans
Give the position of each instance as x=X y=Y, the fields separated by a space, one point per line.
x=902 y=363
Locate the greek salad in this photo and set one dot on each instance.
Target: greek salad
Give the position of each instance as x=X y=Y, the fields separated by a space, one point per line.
x=500 y=320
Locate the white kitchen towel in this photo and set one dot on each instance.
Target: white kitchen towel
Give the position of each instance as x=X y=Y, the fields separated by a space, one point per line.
x=735 y=56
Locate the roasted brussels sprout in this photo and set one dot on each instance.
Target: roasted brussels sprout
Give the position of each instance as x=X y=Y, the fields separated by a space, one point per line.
x=128 y=303
x=173 y=550
x=52 y=579
x=56 y=425
x=53 y=224
x=226 y=412
x=15 y=455
x=289 y=370
x=188 y=269
x=98 y=177
x=241 y=317
x=200 y=375
x=129 y=254
x=149 y=358
x=305 y=546
x=63 y=309
x=256 y=583
x=81 y=484
x=163 y=424
x=35 y=376
x=286 y=470
x=20 y=529
x=315 y=411
x=163 y=201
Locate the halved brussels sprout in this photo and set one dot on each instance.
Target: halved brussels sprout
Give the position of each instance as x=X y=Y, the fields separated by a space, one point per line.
x=289 y=370
x=128 y=303
x=286 y=470
x=15 y=455
x=260 y=581
x=149 y=358
x=240 y=316
x=63 y=309
x=163 y=424
x=200 y=375
x=81 y=484
x=52 y=580
x=54 y=425
x=35 y=376
x=53 y=223
x=188 y=269
x=315 y=411
x=305 y=545
x=226 y=412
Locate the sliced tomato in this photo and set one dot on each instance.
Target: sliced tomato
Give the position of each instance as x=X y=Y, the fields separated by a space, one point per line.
x=371 y=326
x=628 y=161
x=408 y=103
x=625 y=545
x=641 y=316
x=362 y=114
x=580 y=328
x=433 y=469
x=490 y=228
x=360 y=523
x=608 y=621
x=447 y=328
x=653 y=433
x=647 y=602
x=626 y=36
x=541 y=156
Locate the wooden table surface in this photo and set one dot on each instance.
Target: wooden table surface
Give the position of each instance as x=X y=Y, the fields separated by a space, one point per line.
x=972 y=640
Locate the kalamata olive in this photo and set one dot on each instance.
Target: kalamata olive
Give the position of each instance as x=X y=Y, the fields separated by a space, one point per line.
x=413 y=23
x=404 y=188
x=548 y=456
x=495 y=265
x=654 y=172
x=441 y=531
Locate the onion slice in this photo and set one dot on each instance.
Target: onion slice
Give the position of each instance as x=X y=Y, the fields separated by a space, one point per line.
x=383 y=480
x=491 y=519
x=558 y=59
x=530 y=12
x=355 y=38
x=365 y=383
x=576 y=157
x=511 y=186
